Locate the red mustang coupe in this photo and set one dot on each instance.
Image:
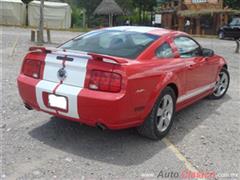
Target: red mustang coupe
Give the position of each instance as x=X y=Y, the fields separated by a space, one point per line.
x=122 y=77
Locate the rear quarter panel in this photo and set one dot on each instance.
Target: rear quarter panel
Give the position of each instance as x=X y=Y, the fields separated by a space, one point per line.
x=147 y=79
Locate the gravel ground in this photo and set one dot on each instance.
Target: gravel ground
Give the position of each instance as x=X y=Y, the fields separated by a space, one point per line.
x=37 y=146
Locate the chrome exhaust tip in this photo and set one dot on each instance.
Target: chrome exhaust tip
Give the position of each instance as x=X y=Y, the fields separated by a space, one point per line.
x=28 y=107
x=100 y=126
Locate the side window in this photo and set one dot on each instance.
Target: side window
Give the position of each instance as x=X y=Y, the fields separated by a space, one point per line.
x=187 y=47
x=164 y=51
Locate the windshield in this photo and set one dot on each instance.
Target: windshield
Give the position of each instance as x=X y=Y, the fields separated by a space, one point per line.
x=235 y=22
x=126 y=44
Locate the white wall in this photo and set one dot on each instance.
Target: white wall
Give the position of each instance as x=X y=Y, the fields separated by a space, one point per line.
x=12 y=12
x=56 y=15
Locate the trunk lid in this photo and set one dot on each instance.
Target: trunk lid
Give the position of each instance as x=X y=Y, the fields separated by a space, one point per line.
x=66 y=67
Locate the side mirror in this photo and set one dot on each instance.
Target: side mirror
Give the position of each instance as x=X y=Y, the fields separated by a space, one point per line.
x=207 y=52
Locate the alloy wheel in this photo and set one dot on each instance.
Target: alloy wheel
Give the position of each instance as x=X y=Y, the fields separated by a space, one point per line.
x=164 y=113
x=221 y=85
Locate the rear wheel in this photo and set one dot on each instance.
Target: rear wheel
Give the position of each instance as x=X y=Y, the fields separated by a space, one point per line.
x=221 y=35
x=222 y=85
x=160 y=120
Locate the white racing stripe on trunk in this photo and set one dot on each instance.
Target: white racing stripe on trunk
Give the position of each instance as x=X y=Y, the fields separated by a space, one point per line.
x=76 y=71
x=73 y=84
x=50 y=80
x=51 y=68
x=71 y=93
x=44 y=86
x=70 y=87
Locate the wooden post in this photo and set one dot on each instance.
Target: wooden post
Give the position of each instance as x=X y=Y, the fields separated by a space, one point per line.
x=166 y=21
x=180 y=23
x=110 y=20
x=33 y=35
x=170 y=20
x=190 y=30
x=238 y=46
x=225 y=18
x=216 y=23
x=220 y=19
x=48 y=35
x=38 y=36
x=198 y=26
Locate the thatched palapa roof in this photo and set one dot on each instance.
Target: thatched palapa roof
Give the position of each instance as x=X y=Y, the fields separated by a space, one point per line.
x=107 y=7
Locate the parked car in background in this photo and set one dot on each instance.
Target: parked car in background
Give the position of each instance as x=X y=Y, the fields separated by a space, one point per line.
x=232 y=30
x=122 y=77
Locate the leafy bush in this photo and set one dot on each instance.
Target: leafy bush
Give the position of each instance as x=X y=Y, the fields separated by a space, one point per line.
x=77 y=17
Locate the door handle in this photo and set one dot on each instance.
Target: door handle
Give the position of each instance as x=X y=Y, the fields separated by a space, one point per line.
x=202 y=60
x=190 y=66
x=205 y=59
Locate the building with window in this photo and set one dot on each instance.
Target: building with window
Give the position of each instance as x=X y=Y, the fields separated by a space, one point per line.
x=194 y=16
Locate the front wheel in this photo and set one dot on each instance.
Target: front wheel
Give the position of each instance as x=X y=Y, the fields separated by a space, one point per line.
x=222 y=85
x=160 y=120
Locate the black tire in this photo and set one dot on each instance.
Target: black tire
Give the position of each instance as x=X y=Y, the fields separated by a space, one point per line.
x=221 y=35
x=149 y=128
x=214 y=94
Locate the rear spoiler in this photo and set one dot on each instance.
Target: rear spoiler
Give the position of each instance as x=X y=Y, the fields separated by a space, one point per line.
x=93 y=56
x=39 y=49
x=108 y=59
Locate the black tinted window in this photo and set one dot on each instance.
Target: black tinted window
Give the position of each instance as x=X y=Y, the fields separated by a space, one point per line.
x=114 y=43
x=164 y=51
x=187 y=47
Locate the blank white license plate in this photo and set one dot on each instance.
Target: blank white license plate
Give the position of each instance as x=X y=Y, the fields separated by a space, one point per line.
x=57 y=101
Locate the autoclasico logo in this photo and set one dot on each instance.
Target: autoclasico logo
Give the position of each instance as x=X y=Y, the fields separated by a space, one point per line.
x=186 y=174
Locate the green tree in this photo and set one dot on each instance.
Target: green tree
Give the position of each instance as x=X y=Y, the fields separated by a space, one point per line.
x=143 y=6
x=89 y=6
x=235 y=4
x=126 y=5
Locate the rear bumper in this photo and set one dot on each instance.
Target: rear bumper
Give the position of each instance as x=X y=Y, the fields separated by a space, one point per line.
x=113 y=110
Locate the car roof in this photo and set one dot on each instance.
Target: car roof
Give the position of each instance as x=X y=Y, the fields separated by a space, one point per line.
x=141 y=29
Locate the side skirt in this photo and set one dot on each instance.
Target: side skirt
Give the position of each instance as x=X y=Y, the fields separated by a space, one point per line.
x=193 y=96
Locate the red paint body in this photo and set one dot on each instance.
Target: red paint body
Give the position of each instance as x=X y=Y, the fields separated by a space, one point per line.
x=143 y=79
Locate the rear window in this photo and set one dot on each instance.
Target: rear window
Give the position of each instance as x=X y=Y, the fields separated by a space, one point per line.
x=113 y=43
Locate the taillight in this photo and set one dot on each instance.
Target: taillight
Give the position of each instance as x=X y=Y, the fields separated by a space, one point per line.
x=32 y=68
x=105 y=81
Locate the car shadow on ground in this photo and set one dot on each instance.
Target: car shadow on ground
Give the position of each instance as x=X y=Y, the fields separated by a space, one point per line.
x=193 y=116
x=123 y=147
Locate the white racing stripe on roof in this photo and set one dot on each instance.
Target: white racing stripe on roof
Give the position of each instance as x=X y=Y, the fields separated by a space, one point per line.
x=140 y=29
